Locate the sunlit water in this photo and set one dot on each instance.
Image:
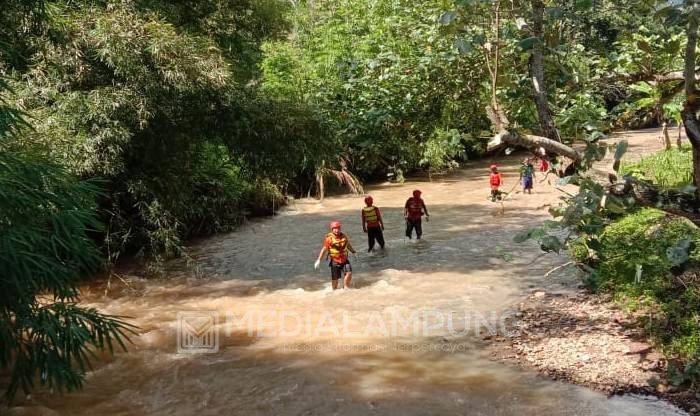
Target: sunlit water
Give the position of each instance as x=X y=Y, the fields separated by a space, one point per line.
x=406 y=340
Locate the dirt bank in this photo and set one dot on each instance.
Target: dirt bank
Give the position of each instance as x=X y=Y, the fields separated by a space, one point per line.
x=584 y=339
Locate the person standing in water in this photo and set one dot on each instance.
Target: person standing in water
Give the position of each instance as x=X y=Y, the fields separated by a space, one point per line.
x=495 y=180
x=544 y=163
x=337 y=245
x=527 y=173
x=413 y=211
x=372 y=224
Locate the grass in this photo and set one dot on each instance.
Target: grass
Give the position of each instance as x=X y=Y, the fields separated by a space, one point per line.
x=668 y=168
x=668 y=294
x=636 y=259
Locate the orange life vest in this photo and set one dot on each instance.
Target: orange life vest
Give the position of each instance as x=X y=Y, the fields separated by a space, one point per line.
x=371 y=215
x=337 y=247
x=415 y=208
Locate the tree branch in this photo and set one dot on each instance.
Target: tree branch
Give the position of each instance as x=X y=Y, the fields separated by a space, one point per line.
x=534 y=142
x=647 y=195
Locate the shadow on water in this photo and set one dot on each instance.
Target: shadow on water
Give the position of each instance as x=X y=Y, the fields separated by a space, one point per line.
x=404 y=341
x=278 y=254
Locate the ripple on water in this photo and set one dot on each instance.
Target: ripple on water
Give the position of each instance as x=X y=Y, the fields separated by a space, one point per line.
x=266 y=269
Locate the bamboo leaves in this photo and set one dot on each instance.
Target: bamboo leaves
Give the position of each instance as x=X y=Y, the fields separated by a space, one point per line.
x=46 y=217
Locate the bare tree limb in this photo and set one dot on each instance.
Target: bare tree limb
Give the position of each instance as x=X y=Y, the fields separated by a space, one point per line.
x=647 y=195
x=534 y=142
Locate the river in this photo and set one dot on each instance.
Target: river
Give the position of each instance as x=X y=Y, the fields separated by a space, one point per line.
x=405 y=340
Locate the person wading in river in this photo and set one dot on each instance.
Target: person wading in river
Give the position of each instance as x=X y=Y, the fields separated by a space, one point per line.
x=337 y=245
x=372 y=224
x=495 y=180
x=413 y=211
x=527 y=174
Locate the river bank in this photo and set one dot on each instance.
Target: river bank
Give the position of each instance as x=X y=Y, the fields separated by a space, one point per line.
x=403 y=341
x=583 y=338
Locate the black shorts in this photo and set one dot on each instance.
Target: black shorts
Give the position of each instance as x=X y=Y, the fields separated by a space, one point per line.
x=337 y=269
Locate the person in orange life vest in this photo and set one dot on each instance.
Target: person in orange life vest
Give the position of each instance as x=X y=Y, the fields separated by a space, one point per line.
x=372 y=224
x=495 y=179
x=413 y=211
x=337 y=245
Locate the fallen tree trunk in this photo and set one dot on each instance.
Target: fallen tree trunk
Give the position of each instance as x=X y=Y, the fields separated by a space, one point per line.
x=496 y=113
x=534 y=142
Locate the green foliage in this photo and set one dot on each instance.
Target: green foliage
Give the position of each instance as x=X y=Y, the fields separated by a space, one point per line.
x=441 y=149
x=141 y=92
x=649 y=239
x=647 y=259
x=47 y=220
x=161 y=101
x=672 y=168
x=386 y=80
x=652 y=49
x=689 y=373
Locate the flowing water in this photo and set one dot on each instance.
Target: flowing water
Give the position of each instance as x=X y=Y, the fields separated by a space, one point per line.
x=405 y=340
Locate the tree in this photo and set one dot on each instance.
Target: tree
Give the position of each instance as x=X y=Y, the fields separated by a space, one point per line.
x=544 y=114
x=387 y=80
x=163 y=101
x=692 y=101
x=46 y=220
x=491 y=44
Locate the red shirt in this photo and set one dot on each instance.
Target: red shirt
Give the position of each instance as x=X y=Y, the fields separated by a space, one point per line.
x=415 y=207
x=372 y=216
x=495 y=179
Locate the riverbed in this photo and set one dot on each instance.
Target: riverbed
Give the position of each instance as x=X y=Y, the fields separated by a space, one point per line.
x=404 y=340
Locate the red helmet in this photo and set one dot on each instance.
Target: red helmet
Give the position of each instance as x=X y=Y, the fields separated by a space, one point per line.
x=335 y=224
x=494 y=166
x=369 y=200
x=416 y=193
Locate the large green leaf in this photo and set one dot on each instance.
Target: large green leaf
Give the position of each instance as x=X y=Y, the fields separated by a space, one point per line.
x=528 y=43
x=464 y=47
x=447 y=18
x=679 y=253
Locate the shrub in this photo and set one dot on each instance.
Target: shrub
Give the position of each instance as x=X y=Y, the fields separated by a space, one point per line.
x=637 y=262
x=670 y=168
x=46 y=217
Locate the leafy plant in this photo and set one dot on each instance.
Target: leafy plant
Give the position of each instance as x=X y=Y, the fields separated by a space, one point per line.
x=47 y=220
x=441 y=149
x=670 y=168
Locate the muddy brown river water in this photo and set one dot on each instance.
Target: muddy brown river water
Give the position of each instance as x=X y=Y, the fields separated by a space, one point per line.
x=404 y=341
